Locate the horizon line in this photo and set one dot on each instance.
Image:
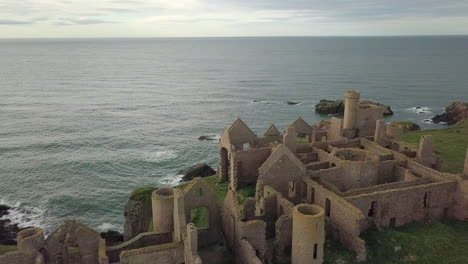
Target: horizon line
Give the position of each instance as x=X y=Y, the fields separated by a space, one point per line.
x=260 y=36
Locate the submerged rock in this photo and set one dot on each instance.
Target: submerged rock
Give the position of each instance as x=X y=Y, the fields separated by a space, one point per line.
x=453 y=113
x=293 y=103
x=198 y=170
x=209 y=137
x=407 y=125
x=336 y=107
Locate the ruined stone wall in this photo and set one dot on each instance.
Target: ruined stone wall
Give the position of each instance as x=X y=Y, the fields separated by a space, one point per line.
x=266 y=141
x=422 y=170
x=344 y=221
x=254 y=232
x=140 y=241
x=379 y=150
x=387 y=186
x=13 y=258
x=250 y=162
x=461 y=201
x=172 y=253
x=246 y=254
x=366 y=119
x=283 y=239
x=386 y=172
x=401 y=206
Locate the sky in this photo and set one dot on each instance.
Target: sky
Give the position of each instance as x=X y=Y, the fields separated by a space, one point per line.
x=211 y=18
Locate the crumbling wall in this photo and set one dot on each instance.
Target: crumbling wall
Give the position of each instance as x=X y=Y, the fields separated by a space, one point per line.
x=422 y=170
x=172 y=253
x=387 y=186
x=246 y=253
x=344 y=221
x=283 y=239
x=366 y=119
x=248 y=164
x=401 y=206
x=13 y=258
x=140 y=241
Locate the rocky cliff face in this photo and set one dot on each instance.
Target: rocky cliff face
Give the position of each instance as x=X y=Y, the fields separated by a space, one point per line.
x=453 y=113
x=138 y=213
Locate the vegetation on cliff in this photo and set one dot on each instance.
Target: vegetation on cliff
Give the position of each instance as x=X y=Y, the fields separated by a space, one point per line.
x=5 y=249
x=451 y=144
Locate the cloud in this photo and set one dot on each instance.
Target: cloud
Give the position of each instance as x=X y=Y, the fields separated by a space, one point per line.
x=14 y=22
x=82 y=21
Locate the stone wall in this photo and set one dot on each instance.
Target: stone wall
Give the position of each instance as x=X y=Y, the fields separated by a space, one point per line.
x=13 y=258
x=172 y=253
x=344 y=221
x=422 y=170
x=401 y=206
x=250 y=162
x=140 y=241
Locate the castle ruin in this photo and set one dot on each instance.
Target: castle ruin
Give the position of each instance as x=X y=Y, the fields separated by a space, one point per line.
x=311 y=181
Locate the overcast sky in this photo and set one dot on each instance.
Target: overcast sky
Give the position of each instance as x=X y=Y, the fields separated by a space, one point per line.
x=174 y=18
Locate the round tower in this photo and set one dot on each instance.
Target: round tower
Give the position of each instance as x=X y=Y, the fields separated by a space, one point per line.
x=163 y=209
x=351 y=104
x=30 y=241
x=308 y=234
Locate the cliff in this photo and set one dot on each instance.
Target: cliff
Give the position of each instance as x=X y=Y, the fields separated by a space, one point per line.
x=138 y=212
x=453 y=113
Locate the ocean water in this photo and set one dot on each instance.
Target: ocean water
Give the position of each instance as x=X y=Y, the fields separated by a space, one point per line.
x=85 y=121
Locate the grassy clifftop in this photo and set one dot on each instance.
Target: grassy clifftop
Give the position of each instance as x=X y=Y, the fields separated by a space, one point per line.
x=451 y=144
x=432 y=242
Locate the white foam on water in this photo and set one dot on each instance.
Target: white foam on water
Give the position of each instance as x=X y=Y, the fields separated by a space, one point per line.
x=24 y=216
x=428 y=121
x=420 y=110
x=158 y=156
x=171 y=180
x=107 y=226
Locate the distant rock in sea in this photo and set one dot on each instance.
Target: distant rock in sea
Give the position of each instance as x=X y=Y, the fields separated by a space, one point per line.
x=336 y=107
x=198 y=170
x=209 y=137
x=293 y=103
x=453 y=113
x=112 y=237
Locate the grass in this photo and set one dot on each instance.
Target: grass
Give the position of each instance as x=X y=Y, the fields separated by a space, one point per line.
x=419 y=243
x=142 y=194
x=5 y=249
x=302 y=140
x=221 y=188
x=200 y=217
x=451 y=144
x=245 y=192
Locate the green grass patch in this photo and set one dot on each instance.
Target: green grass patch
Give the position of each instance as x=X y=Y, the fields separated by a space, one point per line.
x=451 y=144
x=200 y=217
x=245 y=192
x=220 y=188
x=302 y=140
x=142 y=194
x=5 y=249
x=431 y=242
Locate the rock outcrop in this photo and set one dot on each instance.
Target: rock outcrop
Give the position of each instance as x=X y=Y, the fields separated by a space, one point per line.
x=453 y=113
x=8 y=230
x=336 y=107
x=138 y=213
x=112 y=237
x=198 y=170
x=407 y=125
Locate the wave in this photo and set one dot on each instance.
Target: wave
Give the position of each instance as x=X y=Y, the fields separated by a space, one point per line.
x=104 y=227
x=24 y=216
x=171 y=180
x=420 y=110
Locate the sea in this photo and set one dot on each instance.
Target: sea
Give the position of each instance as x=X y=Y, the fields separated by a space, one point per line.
x=83 y=122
